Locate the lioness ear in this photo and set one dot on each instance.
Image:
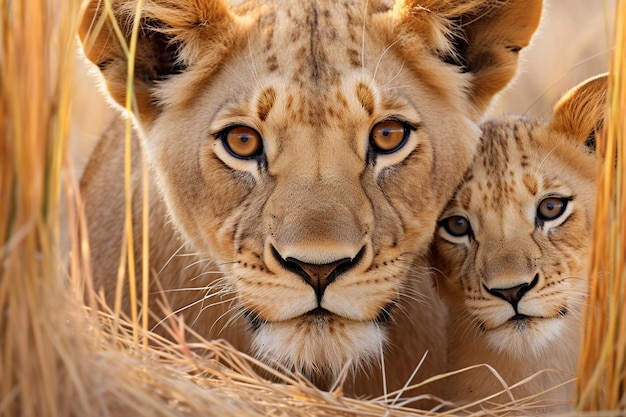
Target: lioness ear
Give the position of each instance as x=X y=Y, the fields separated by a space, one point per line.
x=581 y=111
x=168 y=41
x=487 y=36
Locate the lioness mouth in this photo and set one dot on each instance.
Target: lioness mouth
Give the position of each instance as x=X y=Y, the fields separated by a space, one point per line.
x=520 y=317
x=319 y=314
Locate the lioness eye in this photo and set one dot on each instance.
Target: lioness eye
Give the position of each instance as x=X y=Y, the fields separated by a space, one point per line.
x=456 y=225
x=389 y=136
x=242 y=142
x=551 y=208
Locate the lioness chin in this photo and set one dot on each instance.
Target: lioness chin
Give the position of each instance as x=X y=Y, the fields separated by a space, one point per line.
x=299 y=155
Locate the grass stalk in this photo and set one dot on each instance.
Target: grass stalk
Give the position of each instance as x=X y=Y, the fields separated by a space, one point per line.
x=601 y=383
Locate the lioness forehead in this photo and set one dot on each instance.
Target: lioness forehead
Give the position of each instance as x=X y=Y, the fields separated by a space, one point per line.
x=315 y=61
x=314 y=42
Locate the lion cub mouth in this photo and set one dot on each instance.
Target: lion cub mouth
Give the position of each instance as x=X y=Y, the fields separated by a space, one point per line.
x=521 y=322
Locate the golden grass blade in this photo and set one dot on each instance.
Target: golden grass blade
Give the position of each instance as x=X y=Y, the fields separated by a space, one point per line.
x=602 y=364
x=34 y=77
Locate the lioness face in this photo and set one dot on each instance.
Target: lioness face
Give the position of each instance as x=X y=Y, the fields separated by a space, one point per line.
x=313 y=175
x=307 y=151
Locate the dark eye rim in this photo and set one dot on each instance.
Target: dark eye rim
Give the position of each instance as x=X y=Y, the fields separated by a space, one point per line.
x=408 y=128
x=222 y=136
x=444 y=223
x=564 y=200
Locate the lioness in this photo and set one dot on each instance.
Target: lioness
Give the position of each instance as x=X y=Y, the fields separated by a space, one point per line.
x=299 y=154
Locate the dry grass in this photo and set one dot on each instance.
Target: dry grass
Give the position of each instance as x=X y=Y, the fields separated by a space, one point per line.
x=602 y=364
x=59 y=358
x=34 y=129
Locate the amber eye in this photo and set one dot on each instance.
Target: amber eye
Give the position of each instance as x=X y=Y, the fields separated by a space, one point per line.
x=456 y=226
x=551 y=208
x=242 y=142
x=389 y=136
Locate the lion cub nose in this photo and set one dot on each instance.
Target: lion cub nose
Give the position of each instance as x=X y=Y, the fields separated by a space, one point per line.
x=513 y=294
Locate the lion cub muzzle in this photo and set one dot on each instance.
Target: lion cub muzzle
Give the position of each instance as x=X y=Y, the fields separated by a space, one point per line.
x=513 y=294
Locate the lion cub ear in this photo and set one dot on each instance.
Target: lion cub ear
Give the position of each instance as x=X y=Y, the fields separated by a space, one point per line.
x=169 y=33
x=580 y=113
x=487 y=38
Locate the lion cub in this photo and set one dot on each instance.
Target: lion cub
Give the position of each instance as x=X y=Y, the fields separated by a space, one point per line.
x=512 y=247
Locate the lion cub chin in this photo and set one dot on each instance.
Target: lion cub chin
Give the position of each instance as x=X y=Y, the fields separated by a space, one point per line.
x=512 y=247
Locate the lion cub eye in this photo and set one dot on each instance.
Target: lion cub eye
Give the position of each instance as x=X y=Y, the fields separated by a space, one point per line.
x=456 y=226
x=551 y=208
x=388 y=136
x=242 y=142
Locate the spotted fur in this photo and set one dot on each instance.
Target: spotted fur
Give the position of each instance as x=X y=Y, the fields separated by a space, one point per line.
x=308 y=250
x=513 y=247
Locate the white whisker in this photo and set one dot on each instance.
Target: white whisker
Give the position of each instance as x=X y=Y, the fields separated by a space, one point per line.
x=170 y=258
x=363 y=36
x=380 y=59
x=396 y=75
x=215 y=304
x=173 y=313
x=197 y=262
x=403 y=86
x=236 y=312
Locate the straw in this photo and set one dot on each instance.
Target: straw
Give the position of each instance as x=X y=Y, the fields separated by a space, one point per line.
x=602 y=367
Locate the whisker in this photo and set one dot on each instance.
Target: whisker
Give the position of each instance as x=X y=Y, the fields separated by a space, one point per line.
x=251 y=65
x=197 y=262
x=171 y=257
x=382 y=56
x=205 y=273
x=215 y=304
x=208 y=295
x=363 y=36
x=236 y=312
x=173 y=313
x=403 y=86
x=172 y=290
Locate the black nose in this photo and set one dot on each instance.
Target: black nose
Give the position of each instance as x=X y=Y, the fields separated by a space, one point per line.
x=513 y=294
x=319 y=276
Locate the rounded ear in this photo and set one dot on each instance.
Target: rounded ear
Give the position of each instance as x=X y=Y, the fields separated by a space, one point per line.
x=168 y=37
x=580 y=113
x=487 y=36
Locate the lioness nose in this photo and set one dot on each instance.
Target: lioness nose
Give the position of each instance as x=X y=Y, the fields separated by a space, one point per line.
x=319 y=276
x=513 y=294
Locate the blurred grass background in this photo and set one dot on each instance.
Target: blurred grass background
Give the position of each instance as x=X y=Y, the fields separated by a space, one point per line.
x=573 y=43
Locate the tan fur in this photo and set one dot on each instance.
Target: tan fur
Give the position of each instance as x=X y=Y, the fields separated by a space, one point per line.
x=520 y=162
x=232 y=240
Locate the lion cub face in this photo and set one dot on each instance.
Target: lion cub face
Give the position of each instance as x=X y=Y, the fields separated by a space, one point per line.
x=514 y=242
x=308 y=149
